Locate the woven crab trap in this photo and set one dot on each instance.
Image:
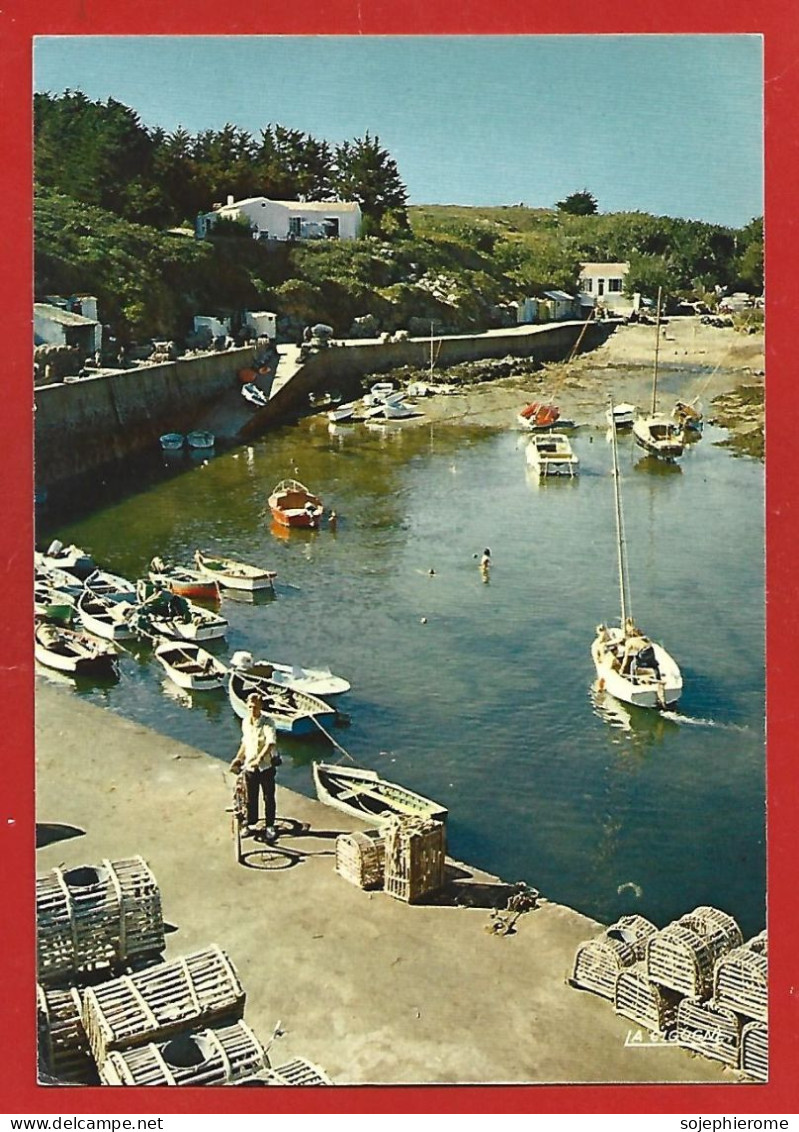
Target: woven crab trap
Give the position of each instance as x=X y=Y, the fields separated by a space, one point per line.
x=63 y=1046
x=682 y=960
x=716 y=926
x=598 y=962
x=360 y=858
x=295 y=1072
x=414 y=857
x=710 y=1029
x=740 y=981
x=199 y=989
x=644 y=1002
x=754 y=1050
x=207 y=1057
x=96 y=915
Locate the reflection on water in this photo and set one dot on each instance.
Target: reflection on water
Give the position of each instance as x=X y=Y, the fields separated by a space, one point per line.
x=478 y=695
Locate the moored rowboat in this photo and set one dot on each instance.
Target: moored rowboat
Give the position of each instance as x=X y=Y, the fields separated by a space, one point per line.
x=227 y=572
x=73 y=653
x=315 y=681
x=105 y=617
x=182 y=581
x=190 y=666
x=363 y=794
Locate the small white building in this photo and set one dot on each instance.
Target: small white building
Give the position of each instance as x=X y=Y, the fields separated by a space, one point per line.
x=65 y=322
x=561 y=305
x=604 y=284
x=288 y=219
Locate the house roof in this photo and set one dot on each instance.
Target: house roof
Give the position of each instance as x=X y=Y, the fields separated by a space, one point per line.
x=606 y=268
x=560 y=295
x=65 y=317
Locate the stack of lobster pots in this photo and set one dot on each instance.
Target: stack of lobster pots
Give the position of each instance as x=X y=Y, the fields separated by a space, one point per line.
x=694 y=982
x=93 y=922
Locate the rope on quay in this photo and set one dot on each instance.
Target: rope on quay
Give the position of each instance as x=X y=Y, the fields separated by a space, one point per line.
x=327 y=735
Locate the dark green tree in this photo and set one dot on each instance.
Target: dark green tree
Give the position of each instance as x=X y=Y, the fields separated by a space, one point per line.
x=366 y=173
x=578 y=204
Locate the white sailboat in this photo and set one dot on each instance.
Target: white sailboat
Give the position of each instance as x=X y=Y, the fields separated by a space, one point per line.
x=628 y=664
x=658 y=433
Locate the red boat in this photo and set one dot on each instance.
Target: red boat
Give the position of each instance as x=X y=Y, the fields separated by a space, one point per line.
x=182 y=581
x=293 y=505
x=539 y=415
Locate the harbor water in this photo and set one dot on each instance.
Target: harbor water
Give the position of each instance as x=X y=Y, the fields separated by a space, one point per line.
x=479 y=692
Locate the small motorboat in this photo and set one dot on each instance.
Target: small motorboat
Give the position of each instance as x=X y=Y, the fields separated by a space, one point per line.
x=172 y=441
x=200 y=439
x=72 y=652
x=164 y=614
x=293 y=505
x=379 y=392
x=254 y=395
x=290 y=712
x=550 y=454
x=364 y=794
x=315 y=681
x=183 y=581
x=190 y=666
x=539 y=415
x=230 y=574
x=104 y=617
x=622 y=415
x=70 y=559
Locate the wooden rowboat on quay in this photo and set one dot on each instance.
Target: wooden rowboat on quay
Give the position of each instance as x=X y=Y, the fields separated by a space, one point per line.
x=364 y=794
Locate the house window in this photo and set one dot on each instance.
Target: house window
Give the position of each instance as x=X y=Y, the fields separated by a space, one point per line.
x=331 y=227
x=588 y=285
x=295 y=223
x=615 y=285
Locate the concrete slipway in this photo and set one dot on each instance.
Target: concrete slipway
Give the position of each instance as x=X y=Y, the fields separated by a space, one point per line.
x=370 y=989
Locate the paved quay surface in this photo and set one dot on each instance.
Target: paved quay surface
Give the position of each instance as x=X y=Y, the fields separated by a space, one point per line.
x=370 y=989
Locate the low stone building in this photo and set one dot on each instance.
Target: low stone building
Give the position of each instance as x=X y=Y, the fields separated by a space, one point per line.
x=287 y=219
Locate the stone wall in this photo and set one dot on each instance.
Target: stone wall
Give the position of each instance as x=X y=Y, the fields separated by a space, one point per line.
x=89 y=424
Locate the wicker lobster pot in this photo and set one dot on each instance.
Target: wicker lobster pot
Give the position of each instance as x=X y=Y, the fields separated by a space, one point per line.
x=682 y=960
x=740 y=981
x=207 y=1057
x=295 y=1072
x=598 y=962
x=710 y=1029
x=754 y=1050
x=644 y=1002
x=199 y=989
x=63 y=1046
x=360 y=858
x=415 y=856
x=714 y=925
x=96 y=915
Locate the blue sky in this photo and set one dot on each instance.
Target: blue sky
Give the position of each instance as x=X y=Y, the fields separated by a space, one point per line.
x=667 y=124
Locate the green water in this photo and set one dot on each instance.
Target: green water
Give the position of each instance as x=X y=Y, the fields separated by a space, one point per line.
x=480 y=694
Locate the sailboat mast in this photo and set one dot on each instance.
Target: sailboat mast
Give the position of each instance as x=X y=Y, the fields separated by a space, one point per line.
x=431 y=350
x=620 y=547
x=657 y=350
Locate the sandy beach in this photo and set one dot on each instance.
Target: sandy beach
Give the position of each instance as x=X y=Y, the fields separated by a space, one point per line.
x=718 y=360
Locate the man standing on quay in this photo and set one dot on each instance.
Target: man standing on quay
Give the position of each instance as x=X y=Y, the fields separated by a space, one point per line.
x=258 y=758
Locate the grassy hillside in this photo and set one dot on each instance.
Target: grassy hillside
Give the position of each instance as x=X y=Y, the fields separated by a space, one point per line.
x=452 y=265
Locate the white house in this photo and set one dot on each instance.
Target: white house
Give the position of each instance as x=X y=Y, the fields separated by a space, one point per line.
x=59 y=323
x=288 y=219
x=604 y=283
